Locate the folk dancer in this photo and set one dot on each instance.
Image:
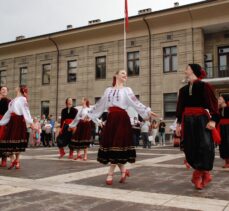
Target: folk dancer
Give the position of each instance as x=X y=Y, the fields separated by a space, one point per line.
x=197 y=114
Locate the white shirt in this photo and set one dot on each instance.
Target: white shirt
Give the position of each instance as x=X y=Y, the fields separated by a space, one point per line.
x=145 y=127
x=80 y=115
x=174 y=125
x=48 y=128
x=119 y=97
x=19 y=106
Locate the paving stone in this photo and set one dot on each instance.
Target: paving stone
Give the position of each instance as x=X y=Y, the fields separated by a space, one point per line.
x=158 y=181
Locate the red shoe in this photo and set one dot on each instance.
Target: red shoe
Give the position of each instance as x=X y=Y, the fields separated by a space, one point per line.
x=123 y=177
x=4 y=162
x=197 y=179
x=17 y=165
x=206 y=178
x=78 y=157
x=109 y=181
x=226 y=165
x=12 y=164
x=70 y=154
x=62 y=152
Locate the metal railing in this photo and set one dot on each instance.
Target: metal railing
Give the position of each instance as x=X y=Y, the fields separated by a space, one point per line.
x=217 y=71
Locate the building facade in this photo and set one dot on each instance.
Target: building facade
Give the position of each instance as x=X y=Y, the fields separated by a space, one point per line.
x=81 y=61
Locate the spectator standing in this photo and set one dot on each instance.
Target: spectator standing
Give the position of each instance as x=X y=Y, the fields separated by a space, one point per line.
x=48 y=133
x=52 y=122
x=162 y=126
x=154 y=127
x=145 y=127
x=42 y=123
x=136 y=131
x=36 y=132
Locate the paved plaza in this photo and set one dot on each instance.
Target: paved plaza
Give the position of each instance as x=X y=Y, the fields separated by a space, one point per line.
x=158 y=181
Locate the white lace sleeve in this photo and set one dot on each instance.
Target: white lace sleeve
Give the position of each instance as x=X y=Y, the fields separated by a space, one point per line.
x=99 y=107
x=5 y=119
x=142 y=110
x=25 y=111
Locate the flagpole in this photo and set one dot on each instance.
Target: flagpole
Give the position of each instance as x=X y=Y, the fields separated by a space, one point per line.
x=125 y=66
x=125 y=25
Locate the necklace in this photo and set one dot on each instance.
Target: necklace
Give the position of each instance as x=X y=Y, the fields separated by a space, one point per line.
x=190 y=89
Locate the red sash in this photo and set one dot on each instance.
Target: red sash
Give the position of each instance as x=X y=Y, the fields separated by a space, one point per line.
x=196 y=111
x=13 y=114
x=66 y=122
x=116 y=109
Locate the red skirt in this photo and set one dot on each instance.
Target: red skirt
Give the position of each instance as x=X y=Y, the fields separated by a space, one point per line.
x=82 y=137
x=116 y=145
x=15 y=137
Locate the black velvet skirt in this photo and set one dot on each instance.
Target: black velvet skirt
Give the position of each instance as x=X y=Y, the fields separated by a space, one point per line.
x=224 y=146
x=198 y=144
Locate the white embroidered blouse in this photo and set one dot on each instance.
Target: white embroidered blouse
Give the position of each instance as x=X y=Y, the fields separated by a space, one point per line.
x=80 y=115
x=19 y=106
x=118 y=97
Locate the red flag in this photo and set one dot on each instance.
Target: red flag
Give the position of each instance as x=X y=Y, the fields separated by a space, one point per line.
x=126 y=15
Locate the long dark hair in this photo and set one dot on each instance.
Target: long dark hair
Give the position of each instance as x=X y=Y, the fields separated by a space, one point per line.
x=24 y=90
x=3 y=87
x=114 y=81
x=87 y=102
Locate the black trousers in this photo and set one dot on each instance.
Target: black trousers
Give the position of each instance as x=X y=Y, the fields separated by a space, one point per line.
x=198 y=144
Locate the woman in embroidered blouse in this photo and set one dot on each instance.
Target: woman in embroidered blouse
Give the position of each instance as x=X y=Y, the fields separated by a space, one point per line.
x=82 y=136
x=116 y=146
x=18 y=114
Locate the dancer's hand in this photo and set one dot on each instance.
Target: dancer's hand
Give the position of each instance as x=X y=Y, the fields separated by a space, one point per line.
x=210 y=125
x=86 y=119
x=32 y=126
x=100 y=123
x=153 y=114
x=74 y=130
x=70 y=129
x=178 y=130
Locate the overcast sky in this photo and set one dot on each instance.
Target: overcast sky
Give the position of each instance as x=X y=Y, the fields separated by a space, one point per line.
x=36 y=17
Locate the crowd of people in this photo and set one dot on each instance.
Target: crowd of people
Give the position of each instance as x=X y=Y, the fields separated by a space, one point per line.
x=202 y=123
x=43 y=133
x=150 y=131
